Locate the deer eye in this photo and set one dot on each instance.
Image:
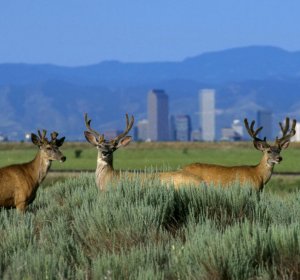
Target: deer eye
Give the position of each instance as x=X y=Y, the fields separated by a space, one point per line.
x=49 y=148
x=269 y=152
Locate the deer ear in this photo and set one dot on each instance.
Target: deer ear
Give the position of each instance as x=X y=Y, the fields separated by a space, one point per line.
x=260 y=145
x=35 y=139
x=60 y=141
x=90 y=138
x=125 y=141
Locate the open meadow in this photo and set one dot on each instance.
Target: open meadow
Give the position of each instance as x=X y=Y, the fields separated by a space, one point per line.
x=161 y=156
x=144 y=230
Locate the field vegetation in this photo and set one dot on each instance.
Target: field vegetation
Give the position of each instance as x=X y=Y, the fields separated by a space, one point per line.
x=149 y=231
x=134 y=231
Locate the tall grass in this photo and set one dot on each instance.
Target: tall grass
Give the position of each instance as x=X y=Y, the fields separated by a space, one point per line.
x=144 y=230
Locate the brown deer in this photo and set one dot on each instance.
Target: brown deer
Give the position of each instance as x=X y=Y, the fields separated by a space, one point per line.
x=19 y=182
x=105 y=172
x=258 y=175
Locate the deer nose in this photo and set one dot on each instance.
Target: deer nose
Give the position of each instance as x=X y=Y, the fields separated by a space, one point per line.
x=279 y=159
x=62 y=159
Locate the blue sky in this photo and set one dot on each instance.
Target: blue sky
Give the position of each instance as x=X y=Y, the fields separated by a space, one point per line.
x=81 y=32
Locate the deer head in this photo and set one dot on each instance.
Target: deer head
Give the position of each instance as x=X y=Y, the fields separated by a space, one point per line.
x=107 y=147
x=49 y=148
x=272 y=152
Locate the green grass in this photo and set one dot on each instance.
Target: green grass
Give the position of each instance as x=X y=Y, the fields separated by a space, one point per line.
x=73 y=231
x=160 y=155
x=283 y=184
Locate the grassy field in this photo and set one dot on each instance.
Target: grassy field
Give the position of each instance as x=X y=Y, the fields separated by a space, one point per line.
x=147 y=231
x=157 y=155
x=73 y=231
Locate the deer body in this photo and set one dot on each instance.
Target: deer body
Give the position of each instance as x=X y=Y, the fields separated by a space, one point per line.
x=19 y=182
x=257 y=176
x=105 y=172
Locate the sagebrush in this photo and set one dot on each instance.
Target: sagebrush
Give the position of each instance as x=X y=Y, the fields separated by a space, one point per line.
x=134 y=231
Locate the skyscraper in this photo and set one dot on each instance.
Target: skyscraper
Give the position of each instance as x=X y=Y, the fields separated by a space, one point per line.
x=207 y=114
x=183 y=128
x=158 y=115
x=264 y=119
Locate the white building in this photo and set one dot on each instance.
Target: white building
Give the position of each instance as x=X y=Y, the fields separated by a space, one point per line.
x=238 y=129
x=296 y=138
x=207 y=114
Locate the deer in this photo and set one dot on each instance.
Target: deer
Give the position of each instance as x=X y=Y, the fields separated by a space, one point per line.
x=257 y=175
x=105 y=172
x=20 y=182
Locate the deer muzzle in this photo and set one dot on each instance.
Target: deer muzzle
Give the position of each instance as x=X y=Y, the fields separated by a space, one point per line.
x=279 y=159
x=62 y=159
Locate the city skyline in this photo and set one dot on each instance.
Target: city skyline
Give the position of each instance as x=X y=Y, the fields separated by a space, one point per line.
x=181 y=128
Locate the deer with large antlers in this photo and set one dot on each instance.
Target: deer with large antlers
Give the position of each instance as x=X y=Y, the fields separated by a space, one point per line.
x=19 y=182
x=105 y=172
x=258 y=175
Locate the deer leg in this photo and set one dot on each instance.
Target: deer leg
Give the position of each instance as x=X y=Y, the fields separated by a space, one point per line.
x=20 y=202
x=21 y=206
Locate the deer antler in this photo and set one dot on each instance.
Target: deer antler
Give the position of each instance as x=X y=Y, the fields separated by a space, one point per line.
x=286 y=135
x=128 y=127
x=253 y=133
x=88 y=126
x=54 y=135
x=42 y=135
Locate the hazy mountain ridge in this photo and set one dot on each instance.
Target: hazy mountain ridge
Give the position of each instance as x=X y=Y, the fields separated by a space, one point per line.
x=55 y=97
x=229 y=65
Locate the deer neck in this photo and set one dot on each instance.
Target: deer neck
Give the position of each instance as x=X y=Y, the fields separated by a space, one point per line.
x=104 y=171
x=39 y=168
x=265 y=169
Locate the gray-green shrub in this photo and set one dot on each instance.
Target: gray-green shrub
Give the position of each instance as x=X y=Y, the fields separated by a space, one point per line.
x=139 y=230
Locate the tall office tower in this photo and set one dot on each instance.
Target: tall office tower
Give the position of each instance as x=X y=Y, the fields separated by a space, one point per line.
x=183 y=128
x=158 y=115
x=207 y=114
x=264 y=119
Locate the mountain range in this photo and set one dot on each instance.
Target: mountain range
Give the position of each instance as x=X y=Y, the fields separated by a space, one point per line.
x=55 y=97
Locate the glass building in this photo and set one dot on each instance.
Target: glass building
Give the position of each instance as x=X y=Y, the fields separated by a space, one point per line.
x=183 y=128
x=158 y=115
x=264 y=119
